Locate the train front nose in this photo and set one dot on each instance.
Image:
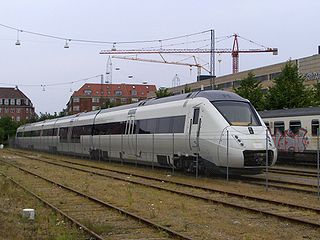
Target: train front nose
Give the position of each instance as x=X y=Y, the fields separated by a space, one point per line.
x=246 y=147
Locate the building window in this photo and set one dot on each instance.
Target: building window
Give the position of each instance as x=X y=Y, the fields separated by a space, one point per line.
x=261 y=78
x=18 y=110
x=0 y=101
x=135 y=100
x=12 y=101
x=6 y=110
x=76 y=99
x=118 y=93
x=27 y=110
x=95 y=108
x=6 y=101
x=108 y=92
x=12 y=110
x=0 y=110
x=18 y=102
x=76 y=108
x=134 y=93
x=95 y=100
x=123 y=100
x=142 y=93
x=18 y=118
x=87 y=92
x=27 y=102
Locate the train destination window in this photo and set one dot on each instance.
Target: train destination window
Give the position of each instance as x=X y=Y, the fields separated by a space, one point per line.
x=196 y=112
x=237 y=113
x=278 y=127
x=314 y=126
x=294 y=126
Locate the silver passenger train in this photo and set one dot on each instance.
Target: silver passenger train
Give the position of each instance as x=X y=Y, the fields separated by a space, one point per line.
x=219 y=129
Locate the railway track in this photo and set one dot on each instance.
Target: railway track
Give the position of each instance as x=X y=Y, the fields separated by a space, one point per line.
x=291 y=212
x=98 y=218
x=295 y=172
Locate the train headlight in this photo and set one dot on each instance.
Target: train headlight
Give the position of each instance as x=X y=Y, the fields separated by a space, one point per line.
x=270 y=141
x=238 y=140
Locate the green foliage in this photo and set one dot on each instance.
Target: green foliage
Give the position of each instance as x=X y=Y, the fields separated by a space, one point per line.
x=316 y=95
x=109 y=104
x=8 y=128
x=250 y=88
x=289 y=90
x=163 y=92
x=187 y=89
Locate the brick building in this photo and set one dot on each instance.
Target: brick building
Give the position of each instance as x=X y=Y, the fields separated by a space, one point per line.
x=15 y=104
x=93 y=96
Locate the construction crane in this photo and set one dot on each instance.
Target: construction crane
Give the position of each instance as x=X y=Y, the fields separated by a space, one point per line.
x=234 y=53
x=197 y=65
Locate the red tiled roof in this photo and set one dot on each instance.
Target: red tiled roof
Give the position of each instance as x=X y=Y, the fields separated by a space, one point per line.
x=11 y=93
x=126 y=89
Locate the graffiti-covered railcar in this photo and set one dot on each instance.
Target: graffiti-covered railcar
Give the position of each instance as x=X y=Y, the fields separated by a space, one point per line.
x=294 y=130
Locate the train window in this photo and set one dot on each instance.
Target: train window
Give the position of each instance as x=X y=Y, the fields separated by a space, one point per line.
x=314 y=126
x=55 y=132
x=278 y=127
x=35 y=133
x=116 y=128
x=47 y=132
x=238 y=113
x=178 y=124
x=165 y=125
x=100 y=129
x=143 y=127
x=27 y=134
x=294 y=126
x=19 y=134
x=109 y=128
x=196 y=112
x=63 y=133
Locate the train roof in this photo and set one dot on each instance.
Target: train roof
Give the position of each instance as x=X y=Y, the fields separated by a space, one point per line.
x=211 y=95
x=309 y=111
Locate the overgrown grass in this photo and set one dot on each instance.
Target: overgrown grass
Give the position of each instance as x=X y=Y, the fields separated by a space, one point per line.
x=45 y=226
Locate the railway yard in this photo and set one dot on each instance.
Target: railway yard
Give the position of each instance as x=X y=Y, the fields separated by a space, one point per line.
x=81 y=199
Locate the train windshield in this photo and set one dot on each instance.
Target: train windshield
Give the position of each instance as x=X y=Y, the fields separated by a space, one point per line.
x=238 y=113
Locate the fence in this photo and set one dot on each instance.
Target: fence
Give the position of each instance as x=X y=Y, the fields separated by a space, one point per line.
x=166 y=149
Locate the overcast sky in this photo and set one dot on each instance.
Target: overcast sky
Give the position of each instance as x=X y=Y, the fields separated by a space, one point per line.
x=289 y=25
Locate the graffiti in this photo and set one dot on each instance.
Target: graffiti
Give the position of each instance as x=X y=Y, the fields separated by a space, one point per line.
x=292 y=142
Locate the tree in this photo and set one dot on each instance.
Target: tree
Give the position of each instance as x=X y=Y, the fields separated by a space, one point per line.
x=316 y=95
x=8 y=128
x=250 y=88
x=289 y=90
x=163 y=92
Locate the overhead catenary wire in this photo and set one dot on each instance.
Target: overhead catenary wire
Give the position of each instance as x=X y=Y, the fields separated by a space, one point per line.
x=51 y=84
x=99 y=41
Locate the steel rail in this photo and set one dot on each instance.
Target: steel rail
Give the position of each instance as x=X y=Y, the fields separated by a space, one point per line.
x=127 y=213
x=201 y=197
x=65 y=215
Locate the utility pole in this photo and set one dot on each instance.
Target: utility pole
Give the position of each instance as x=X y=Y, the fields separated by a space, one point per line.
x=212 y=54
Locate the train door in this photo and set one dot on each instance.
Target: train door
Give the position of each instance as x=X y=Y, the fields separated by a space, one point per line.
x=130 y=134
x=194 y=129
